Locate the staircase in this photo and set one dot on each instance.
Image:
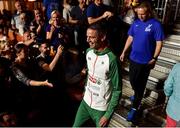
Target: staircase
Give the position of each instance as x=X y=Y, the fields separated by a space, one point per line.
x=154 y=101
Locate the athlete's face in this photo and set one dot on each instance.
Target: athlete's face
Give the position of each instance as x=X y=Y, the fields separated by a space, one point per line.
x=93 y=39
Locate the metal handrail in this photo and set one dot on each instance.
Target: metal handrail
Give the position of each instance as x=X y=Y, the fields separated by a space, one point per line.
x=169 y=3
x=177 y=9
x=165 y=10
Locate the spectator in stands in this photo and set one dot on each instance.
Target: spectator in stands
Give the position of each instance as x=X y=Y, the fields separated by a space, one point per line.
x=28 y=39
x=67 y=7
x=44 y=60
x=23 y=25
x=23 y=71
x=103 y=86
x=78 y=20
x=3 y=37
x=56 y=32
x=129 y=12
x=8 y=120
x=3 y=41
x=4 y=23
x=6 y=14
x=171 y=90
x=50 y=5
x=128 y=15
x=49 y=67
x=145 y=37
x=98 y=12
x=5 y=47
x=38 y=26
x=16 y=17
x=25 y=79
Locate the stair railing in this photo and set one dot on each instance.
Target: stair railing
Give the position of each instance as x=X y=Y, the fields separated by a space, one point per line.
x=169 y=14
x=165 y=11
x=177 y=10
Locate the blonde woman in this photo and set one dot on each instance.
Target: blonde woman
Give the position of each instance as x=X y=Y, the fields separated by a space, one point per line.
x=55 y=31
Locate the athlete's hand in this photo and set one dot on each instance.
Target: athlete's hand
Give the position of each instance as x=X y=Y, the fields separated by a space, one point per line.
x=103 y=121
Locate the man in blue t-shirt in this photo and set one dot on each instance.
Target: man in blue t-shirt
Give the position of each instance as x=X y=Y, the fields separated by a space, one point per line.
x=145 y=37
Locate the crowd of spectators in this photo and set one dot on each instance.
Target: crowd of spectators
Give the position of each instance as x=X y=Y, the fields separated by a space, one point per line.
x=42 y=58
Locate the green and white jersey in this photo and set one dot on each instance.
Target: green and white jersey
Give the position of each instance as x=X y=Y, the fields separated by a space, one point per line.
x=103 y=85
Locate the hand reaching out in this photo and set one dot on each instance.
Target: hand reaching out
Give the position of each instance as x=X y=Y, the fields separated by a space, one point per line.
x=46 y=83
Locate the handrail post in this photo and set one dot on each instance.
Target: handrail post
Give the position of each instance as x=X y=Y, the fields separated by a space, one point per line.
x=164 y=13
x=177 y=9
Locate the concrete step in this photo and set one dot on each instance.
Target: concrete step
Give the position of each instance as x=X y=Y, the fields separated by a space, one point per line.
x=153 y=103
x=174 y=37
x=156 y=114
x=171 y=49
x=178 y=19
x=127 y=85
x=150 y=120
x=151 y=85
x=176 y=31
x=150 y=95
x=173 y=42
x=118 y=119
x=155 y=76
x=163 y=66
x=177 y=25
x=169 y=58
x=148 y=102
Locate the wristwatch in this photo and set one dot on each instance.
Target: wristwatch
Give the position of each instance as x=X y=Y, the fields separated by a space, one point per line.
x=155 y=58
